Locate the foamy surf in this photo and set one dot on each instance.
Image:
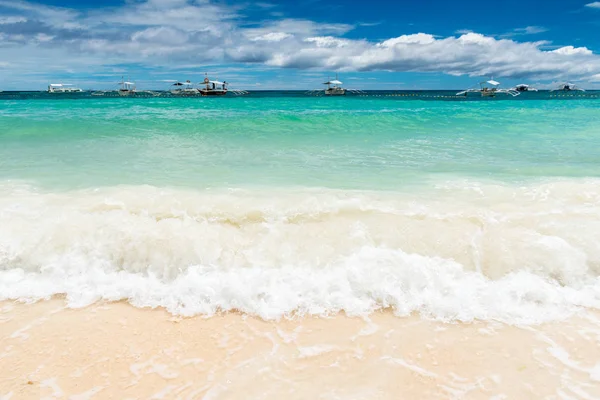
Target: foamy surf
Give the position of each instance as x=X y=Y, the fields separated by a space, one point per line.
x=458 y=251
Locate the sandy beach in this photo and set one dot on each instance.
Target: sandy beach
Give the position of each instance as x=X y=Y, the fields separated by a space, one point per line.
x=117 y=351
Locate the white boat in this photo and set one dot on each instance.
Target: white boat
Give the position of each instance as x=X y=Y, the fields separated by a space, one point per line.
x=334 y=87
x=568 y=87
x=524 y=88
x=126 y=88
x=63 y=88
x=213 y=88
x=489 y=89
x=184 y=89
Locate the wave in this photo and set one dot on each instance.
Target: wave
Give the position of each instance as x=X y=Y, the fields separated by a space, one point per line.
x=457 y=251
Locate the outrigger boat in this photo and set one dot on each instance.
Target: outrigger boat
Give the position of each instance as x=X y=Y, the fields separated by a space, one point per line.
x=127 y=88
x=213 y=88
x=489 y=89
x=217 y=88
x=63 y=88
x=334 y=87
x=184 y=89
x=524 y=88
x=568 y=87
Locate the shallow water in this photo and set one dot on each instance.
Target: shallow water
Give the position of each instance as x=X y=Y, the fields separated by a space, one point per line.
x=457 y=210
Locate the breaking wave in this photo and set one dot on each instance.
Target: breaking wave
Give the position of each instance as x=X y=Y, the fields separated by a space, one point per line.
x=457 y=251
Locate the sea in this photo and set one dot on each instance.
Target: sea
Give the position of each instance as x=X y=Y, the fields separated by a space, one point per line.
x=283 y=204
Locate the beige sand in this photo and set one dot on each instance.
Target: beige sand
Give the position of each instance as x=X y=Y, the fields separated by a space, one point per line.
x=116 y=351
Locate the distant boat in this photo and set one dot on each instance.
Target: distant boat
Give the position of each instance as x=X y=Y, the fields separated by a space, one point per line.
x=63 y=88
x=489 y=89
x=213 y=88
x=334 y=87
x=126 y=88
x=568 y=87
x=524 y=88
x=184 y=89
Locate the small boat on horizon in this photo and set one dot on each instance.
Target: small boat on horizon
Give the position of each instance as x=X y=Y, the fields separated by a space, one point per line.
x=489 y=89
x=126 y=88
x=524 y=88
x=568 y=87
x=184 y=89
x=63 y=88
x=213 y=87
x=334 y=87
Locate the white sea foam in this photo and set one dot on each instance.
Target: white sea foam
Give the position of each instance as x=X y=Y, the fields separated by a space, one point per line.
x=460 y=251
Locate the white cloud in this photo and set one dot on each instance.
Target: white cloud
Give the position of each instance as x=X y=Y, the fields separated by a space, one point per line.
x=328 y=41
x=570 y=50
x=531 y=30
x=419 y=38
x=595 y=4
x=47 y=14
x=160 y=35
x=170 y=33
x=299 y=27
x=271 y=37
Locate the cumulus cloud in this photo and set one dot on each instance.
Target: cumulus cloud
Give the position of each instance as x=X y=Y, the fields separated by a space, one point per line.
x=173 y=32
x=570 y=50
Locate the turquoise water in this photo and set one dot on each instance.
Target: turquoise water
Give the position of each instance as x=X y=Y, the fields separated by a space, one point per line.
x=322 y=142
x=457 y=210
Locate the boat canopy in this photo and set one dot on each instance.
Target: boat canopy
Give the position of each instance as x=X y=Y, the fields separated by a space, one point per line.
x=522 y=85
x=60 y=84
x=215 y=82
x=333 y=82
x=493 y=82
x=129 y=83
x=182 y=83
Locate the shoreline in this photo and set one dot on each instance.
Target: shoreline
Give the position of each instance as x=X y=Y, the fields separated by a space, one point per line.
x=114 y=350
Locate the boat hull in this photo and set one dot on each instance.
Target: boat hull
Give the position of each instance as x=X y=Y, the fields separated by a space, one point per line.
x=205 y=92
x=335 y=92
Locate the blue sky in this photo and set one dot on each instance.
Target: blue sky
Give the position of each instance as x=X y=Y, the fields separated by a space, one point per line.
x=379 y=44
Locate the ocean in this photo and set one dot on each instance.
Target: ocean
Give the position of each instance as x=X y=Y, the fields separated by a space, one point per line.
x=287 y=205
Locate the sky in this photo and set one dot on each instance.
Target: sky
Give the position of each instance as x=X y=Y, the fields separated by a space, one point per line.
x=265 y=44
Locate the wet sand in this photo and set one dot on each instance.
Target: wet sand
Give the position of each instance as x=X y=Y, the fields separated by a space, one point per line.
x=117 y=351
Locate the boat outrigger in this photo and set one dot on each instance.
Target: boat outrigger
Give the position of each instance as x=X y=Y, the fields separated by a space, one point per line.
x=63 y=88
x=568 y=87
x=489 y=89
x=524 y=88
